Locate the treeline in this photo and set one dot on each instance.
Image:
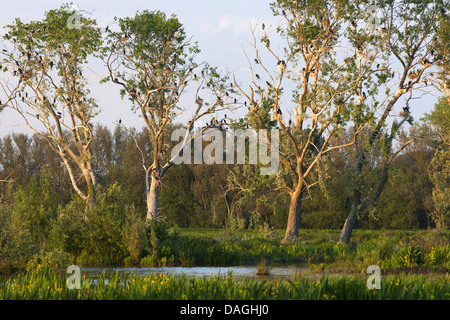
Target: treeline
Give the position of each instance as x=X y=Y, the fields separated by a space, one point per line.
x=205 y=195
x=346 y=156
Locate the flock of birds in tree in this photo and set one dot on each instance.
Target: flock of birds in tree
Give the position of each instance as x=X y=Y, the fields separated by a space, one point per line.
x=28 y=60
x=281 y=65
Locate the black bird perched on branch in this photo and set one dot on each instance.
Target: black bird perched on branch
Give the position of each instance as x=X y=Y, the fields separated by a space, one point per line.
x=257 y=76
x=256 y=61
x=281 y=64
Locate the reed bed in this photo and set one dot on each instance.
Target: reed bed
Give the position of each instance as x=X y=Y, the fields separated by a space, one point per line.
x=52 y=286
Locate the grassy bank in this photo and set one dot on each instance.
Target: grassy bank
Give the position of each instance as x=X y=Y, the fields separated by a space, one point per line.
x=387 y=249
x=390 y=250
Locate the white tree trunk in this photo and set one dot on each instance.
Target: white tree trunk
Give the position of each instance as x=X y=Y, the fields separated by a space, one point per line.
x=152 y=200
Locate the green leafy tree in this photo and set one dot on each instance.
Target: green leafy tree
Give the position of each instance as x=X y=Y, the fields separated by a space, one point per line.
x=152 y=60
x=439 y=122
x=48 y=58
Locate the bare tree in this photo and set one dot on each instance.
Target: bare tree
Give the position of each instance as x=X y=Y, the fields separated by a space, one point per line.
x=406 y=36
x=324 y=88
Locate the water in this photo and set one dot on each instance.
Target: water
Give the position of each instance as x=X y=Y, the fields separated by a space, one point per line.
x=237 y=271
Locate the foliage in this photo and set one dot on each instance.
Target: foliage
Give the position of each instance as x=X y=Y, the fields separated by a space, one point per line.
x=16 y=241
x=46 y=261
x=134 y=233
x=52 y=286
x=408 y=256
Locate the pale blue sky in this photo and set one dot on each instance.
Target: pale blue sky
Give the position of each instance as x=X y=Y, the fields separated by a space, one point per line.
x=221 y=28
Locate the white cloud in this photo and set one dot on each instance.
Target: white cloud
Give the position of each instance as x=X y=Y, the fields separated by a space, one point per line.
x=237 y=24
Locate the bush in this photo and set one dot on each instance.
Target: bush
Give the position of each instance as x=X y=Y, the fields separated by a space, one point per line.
x=438 y=255
x=134 y=233
x=407 y=256
x=70 y=229
x=16 y=241
x=45 y=261
x=36 y=203
x=105 y=221
x=156 y=232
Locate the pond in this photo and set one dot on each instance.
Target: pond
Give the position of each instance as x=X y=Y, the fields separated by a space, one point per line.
x=238 y=271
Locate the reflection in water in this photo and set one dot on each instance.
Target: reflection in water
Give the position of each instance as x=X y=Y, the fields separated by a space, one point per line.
x=238 y=271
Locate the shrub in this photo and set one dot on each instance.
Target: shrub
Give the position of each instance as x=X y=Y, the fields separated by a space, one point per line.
x=45 y=261
x=16 y=242
x=149 y=261
x=438 y=255
x=70 y=228
x=407 y=256
x=134 y=233
x=105 y=220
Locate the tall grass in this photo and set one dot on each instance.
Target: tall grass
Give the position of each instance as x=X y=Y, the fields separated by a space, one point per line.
x=51 y=286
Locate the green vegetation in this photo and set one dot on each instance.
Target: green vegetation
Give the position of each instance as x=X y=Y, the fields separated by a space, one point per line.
x=48 y=285
x=390 y=250
x=76 y=192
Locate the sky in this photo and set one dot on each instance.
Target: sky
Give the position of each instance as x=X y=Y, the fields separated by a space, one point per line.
x=222 y=29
